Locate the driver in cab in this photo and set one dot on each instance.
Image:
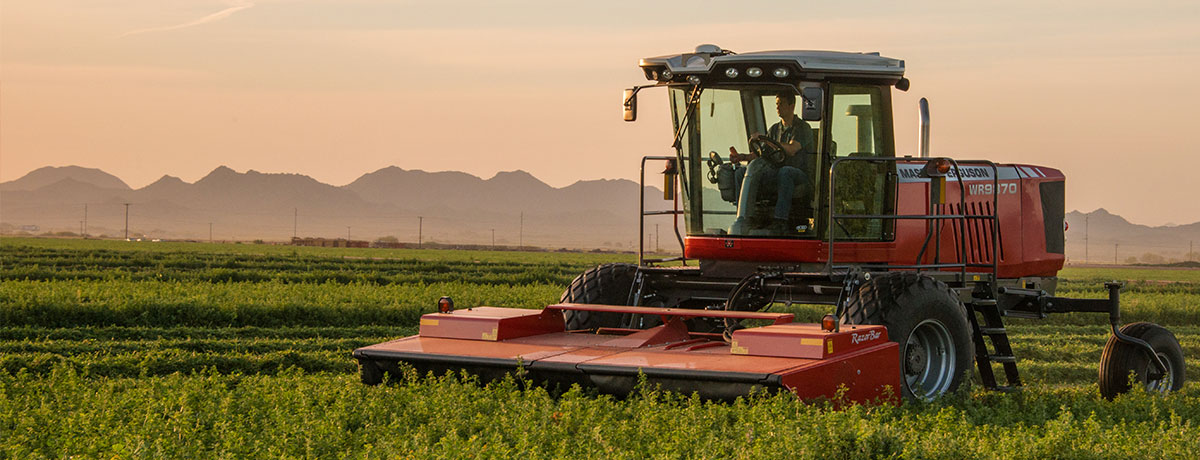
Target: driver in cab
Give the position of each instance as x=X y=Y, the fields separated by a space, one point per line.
x=793 y=136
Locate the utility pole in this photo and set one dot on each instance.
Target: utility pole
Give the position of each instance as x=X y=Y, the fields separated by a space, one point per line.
x=210 y=233
x=420 y=228
x=295 y=220
x=81 y=229
x=347 y=236
x=126 y=221
x=1191 y=253
x=84 y=221
x=493 y=239
x=521 y=234
x=1116 y=246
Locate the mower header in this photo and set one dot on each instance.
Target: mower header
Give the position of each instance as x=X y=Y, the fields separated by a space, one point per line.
x=803 y=358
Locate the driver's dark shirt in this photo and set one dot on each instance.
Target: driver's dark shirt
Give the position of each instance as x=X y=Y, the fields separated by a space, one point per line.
x=800 y=132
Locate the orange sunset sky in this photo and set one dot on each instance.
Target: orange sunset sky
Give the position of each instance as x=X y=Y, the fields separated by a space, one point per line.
x=1104 y=90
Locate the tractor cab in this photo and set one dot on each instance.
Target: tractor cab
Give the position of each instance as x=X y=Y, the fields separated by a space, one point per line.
x=757 y=133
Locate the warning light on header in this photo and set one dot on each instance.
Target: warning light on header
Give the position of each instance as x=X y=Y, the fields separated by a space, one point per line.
x=445 y=305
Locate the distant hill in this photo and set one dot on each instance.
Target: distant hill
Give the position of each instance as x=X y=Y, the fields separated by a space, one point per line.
x=1102 y=237
x=48 y=175
x=452 y=207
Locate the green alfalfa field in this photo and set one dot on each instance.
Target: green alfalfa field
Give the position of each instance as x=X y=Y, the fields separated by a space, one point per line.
x=178 y=350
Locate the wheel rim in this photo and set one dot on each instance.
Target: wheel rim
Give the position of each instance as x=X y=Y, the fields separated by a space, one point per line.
x=1164 y=384
x=929 y=360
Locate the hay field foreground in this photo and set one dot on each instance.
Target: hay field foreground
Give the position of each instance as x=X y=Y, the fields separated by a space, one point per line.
x=172 y=350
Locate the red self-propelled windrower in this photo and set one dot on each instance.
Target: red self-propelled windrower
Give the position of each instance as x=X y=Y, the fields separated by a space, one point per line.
x=918 y=259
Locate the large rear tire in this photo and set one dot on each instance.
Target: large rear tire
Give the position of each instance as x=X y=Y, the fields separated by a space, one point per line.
x=928 y=321
x=1119 y=359
x=608 y=284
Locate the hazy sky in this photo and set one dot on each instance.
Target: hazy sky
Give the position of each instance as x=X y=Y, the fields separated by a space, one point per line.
x=1104 y=90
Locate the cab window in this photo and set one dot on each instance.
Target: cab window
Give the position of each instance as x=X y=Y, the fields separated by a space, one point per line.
x=856 y=121
x=858 y=128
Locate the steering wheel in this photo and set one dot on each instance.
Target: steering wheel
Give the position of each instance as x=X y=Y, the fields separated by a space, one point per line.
x=714 y=161
x=768 y=149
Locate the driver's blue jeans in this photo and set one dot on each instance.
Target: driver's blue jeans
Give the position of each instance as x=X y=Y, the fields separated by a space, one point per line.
x=786 y=178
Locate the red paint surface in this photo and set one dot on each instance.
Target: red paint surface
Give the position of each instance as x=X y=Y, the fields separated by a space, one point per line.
x=490 y=323
x=806 y=340
x=1021 y=232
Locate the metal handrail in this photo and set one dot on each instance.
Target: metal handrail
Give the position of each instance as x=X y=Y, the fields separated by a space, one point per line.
x=929 y=218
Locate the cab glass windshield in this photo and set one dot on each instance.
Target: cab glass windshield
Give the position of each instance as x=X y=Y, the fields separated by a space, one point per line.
x=753 y=168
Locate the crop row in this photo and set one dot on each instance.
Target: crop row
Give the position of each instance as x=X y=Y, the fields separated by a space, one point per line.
x=88 y=265
x=325 y=416
x=203 y=250
x=74 y=303
x=267 y=304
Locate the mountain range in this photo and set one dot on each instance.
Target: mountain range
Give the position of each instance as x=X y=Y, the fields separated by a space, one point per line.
x=1102 y=237
x=449 y=207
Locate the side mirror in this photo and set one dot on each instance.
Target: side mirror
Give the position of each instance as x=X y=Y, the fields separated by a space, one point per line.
x=630 y=104
x=813 y=100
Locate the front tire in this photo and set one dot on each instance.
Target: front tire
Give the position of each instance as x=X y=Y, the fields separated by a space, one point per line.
x=928 y=321
x=1119 y=359
x=608 y=284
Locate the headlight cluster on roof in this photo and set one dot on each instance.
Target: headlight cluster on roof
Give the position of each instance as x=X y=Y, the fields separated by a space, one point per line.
x=744 y=73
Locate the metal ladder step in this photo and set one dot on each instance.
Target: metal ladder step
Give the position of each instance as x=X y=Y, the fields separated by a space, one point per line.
x=988 y=321
x=993 y=331
x=1002 y=358
x=1022 y=314
x=1007 y=389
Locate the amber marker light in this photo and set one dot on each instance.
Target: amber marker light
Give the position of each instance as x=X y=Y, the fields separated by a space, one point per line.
x=829 y=323
x=445 y=304
x=943 y=166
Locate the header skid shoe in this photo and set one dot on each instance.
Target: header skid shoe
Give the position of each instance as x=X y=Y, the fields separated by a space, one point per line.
x=859 y=363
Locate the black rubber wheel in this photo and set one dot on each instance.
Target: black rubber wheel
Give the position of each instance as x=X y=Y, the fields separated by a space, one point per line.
x=608 y=284
x=1119 y=359
x=370 y=372
x=928 y=321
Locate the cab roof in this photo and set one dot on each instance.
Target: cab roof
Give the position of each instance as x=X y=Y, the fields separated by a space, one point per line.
x=707 y=58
